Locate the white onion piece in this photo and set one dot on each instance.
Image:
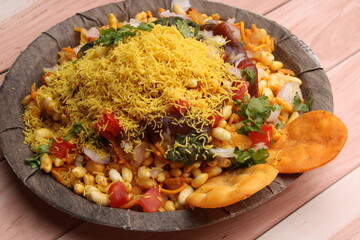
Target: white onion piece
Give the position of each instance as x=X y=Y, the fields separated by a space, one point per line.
x=236 y=59
x=134 y=22
x=139 y=153
x=211 y=21
x=234 y=29
x=96 y=157
x=261 y=73
x=231 y=20
x=185 y=4
x=274 y=116
x=79 y=160
x=260 y=145
x=235 y=71
x=167 y=13
x=76 y=49
x=289 y=91
x=51 y=69
x=223 y=152
x=92 y=33
x=155 y=171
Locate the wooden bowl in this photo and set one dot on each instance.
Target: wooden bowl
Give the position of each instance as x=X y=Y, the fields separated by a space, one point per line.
x=43 y=53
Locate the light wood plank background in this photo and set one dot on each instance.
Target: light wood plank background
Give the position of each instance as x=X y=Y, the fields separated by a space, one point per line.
x=330 y=27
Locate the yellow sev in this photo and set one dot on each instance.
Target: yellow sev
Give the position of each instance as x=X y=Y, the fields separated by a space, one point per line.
x=139 y=80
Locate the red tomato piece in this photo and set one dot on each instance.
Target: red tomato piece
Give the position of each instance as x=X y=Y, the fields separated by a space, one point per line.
x=247 y=63
x=180 y=106
x=151 y=201
x=109 y=126
x=241 y=91
x=265 y=137
x=61 y=148
x=217 y=118
x=118 y=195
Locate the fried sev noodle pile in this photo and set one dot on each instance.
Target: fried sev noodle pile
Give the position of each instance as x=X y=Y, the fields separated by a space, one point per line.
x=155 y=121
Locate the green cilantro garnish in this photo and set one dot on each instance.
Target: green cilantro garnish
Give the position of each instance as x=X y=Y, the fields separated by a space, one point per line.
x=113 y=36
x=77 y=127
x=186 y=27
x=247 y=158
x=248 y=75
x=255 y=112
x=34 y=162
x=302 y=107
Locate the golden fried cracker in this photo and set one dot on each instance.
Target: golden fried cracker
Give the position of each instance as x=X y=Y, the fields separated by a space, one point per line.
x=232 y=186
x=310 y=141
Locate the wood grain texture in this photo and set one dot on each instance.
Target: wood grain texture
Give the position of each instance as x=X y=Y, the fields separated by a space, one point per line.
x=304 y=224
x=330 y=27
x=24 y=214
x=43 y=14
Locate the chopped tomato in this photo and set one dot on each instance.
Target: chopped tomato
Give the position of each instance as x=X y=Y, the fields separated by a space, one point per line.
x=217 y=118
x=241 y=91
x=180 y=106
x=151 y=201
x=118 y=195
x=248 y=64
x=265 y=137
x=61 y=148
x=109 y=126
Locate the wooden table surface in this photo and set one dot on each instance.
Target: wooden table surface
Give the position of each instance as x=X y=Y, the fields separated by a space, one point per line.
x=321 y=204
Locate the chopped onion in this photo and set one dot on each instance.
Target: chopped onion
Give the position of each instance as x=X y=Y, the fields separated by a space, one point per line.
x=51 y=69
x=96 y=157
x=231 y=20
x=92 y=33
x=185 y=4
x=79 y=160
x=134 y=22
x=223 y=152
x=155 y=171
x=167 y=13
x=235 y=71
x=274 y=116
x=234 y=29
x=260 y=145
x=289 y=91
x=139 y=153
x=236 y=59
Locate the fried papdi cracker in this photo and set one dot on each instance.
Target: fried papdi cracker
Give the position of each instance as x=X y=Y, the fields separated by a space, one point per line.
x=232 y=186
x=310 y=141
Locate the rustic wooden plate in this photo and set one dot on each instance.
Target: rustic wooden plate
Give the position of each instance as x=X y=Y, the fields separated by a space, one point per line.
x=42 y=53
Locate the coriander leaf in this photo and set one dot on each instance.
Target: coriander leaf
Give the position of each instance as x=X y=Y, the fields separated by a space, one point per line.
x=44 y=148
x=248 y=75
x=302 y=107
x=114 y=36
x=186 y=27
x=255 y=112
x=247 y=158
x=33 y=162
x=76 y=129
x=145 y=27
